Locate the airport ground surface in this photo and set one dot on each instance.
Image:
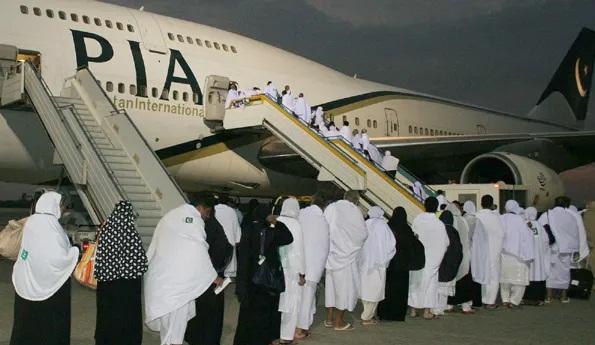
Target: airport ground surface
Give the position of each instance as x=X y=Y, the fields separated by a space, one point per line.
x=554 y=324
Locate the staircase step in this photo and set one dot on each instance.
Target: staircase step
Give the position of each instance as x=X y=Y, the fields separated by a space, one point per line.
x=134 y=181
x=140 y=197
x=122 y=166
x=126 y=174
x=147 y=221
x=136 y=189
x=148 y=214
x=117 y=159
x=113 y=152
x=145 y=205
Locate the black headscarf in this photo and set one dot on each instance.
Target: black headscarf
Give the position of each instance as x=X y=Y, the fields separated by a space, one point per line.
x=398 y=221
x=447 y=218
x=405 y=240
x=120 y=254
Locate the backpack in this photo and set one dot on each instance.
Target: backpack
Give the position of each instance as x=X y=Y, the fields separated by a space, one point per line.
x=417 y=259
x=453 y=257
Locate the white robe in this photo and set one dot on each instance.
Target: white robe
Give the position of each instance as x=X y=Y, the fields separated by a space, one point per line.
x=288 y=101
x=332 y=132
x=566 y=231
x=232 y=95
x=356 y=141
x=377 y=252
x=346 y=133
x=228 y=218
x=319 y=117
x=365 y=141
x=517 y=250
x=293 y=262
x=486 y=248
x=390 y=163
x=316 y=241
x=539 y=267
x=462 y=228
x=583 y=249
x=271 y=91
x=302 y=109
x=423 y=284
x=180 y=269
x=46 y=258
x=347 y=231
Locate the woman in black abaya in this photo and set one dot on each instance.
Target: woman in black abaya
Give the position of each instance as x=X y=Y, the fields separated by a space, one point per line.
x=119 y=267
x=394 y=306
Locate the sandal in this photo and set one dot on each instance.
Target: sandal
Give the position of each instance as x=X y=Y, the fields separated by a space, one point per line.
x=369 y=322
x=348 y=327
x=328 y=324
x=565 y=300
x=301 y=336
x=492 y=306
x=432 y=317
x=548 y=301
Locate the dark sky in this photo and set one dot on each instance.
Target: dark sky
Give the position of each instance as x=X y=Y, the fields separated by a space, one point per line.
x=495 y=53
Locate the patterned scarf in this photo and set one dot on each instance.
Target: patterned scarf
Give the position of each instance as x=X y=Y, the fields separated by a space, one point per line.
x=120 y=254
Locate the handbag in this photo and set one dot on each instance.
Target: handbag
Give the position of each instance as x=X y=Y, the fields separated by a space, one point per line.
x=11 y=237
x=85 y=269
x=270 y=279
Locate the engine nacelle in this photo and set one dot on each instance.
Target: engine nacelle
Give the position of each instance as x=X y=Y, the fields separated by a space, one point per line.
x=542 y=183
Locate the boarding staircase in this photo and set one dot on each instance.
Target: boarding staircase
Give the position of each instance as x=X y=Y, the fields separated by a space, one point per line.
x=104 y=154
x=336 y=160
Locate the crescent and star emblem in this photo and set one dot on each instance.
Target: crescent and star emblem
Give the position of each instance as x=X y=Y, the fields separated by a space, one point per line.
x=577 y=76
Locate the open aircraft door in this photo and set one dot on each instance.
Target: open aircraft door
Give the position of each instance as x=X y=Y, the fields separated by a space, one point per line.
x=214 y=97
x=392 y=122
x=150 y=32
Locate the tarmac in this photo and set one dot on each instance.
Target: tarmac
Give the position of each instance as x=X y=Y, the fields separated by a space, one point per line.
x=554 y=324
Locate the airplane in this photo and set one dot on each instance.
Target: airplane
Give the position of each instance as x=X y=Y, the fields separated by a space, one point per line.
x=152 y=66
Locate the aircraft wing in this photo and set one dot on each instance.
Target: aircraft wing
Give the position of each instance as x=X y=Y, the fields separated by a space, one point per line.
x=439 y=158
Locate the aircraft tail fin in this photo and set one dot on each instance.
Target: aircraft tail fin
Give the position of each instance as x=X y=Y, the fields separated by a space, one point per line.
x=570 y=87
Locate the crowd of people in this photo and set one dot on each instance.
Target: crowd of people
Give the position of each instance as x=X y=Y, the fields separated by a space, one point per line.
x=452 y=257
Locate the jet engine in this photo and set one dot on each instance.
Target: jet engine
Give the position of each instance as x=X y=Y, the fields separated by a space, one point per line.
x=543 y=184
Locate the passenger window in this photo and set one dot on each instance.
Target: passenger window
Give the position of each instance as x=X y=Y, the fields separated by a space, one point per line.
x=165 y=94
x=189 y=39
x=121 y=87
x=344 y=118
x=196 y=98
x=225 y=47
x=426 y=132
x=97 y=21
x=62 y=15
x=133 y=90
x=185 y=96
x=171 y=36
x=410 y=129
x=208 y=44
x=217 y=46
x=369 y=123
x=357 y=121
x=154 y=92
x=109 y=86
x=108 y=23
x=37 y=11
x=142 y=91
x=175 y=95
x=74 y=17
x=233 y=49
x=130 y=28
x=198 y=42
x=24 y=9
x=431 y=132
x=120 y=26
x=49 y=13
x=86 y=20
x=375 y=124
x=415 y=130
x=395 y=127
x=181 y=38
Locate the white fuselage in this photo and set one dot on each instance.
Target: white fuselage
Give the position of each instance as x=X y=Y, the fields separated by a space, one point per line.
x=49 y=27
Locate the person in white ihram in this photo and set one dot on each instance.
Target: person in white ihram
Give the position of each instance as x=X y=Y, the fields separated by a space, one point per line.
x=348 y=232
x=486 y=249
x=180 y=271
x=227 y=217
x=302 y=109
x=271 y=91
x=517 y=252
x=378 y=251
x=390 y=164
x=294 y=269
x=316 y=247
x=423 y=284
x=346 y=131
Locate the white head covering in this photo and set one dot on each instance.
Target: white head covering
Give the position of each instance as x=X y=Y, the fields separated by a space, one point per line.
x=319 y=117
x=469 y=207
x=347 y=233
x=512 y=206
x=380 y=246
x=419 y=191
x=531 y=213
x=46 y=258
x=180 y=268
x=290 y=208
x=292 y=255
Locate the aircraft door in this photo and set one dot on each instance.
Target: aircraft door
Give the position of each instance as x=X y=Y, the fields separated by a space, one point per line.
x=214 y=101
x=481 y=129
x=150 y=32
x=392 y=122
